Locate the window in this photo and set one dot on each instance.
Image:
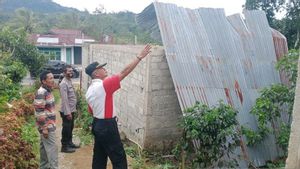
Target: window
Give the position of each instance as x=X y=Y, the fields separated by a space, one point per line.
x=53 y=53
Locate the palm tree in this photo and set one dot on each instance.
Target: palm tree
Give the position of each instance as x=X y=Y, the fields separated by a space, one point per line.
x=24 y=19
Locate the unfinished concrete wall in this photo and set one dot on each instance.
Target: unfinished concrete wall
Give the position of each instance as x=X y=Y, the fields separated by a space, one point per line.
x=293 y=160
x=147 y=106
x=163 y=107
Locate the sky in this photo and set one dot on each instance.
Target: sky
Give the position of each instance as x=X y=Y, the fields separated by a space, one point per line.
x=137 y=6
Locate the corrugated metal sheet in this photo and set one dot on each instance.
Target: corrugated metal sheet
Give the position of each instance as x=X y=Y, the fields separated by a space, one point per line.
x=281 y=49
x=214 y=58
x=151 y=24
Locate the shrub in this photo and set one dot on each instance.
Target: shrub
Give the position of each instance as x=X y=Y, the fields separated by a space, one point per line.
x=19 y=136
x=274 y=103
x=20 y=49
x=15 y=152
x=209 y=135
x=15 y=71
x=84 y=119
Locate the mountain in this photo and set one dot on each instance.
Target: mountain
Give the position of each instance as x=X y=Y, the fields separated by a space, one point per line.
x=40 y=16
x=41 y=6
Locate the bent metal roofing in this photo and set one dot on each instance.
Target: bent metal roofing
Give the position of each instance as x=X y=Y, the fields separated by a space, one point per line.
x=212 y=57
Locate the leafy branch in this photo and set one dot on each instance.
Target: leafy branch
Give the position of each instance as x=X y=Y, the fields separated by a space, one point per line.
x=274 y=103
x=209 y=134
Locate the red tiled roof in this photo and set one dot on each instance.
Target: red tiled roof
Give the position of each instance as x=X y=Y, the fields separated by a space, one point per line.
x=65 y=37
x=66 y=32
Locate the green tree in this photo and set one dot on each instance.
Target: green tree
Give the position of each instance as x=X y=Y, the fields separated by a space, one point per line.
x=99 y=10
x=293 y=22
x=269 y=6
x=289 y=25
x=11 y=74
x=24 y=19
x=15 y=70
x=20 y=49
x=121 y=26
x=70 y=20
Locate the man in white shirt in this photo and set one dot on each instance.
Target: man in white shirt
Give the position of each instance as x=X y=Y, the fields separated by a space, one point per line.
x=100 y=103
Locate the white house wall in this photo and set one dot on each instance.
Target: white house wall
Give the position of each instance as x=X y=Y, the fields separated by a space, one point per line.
x=64 y=54
x=72 y=55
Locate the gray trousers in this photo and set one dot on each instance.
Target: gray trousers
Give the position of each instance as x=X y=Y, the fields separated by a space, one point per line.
x=48 y=152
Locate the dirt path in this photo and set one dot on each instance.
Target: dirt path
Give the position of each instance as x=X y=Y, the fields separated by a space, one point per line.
x=81 y=159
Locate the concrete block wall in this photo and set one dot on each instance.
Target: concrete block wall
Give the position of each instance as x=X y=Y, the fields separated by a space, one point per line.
x=146 y=104
x=163 y=107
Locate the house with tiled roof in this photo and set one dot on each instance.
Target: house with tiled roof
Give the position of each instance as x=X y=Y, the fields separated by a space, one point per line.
x=62 y=44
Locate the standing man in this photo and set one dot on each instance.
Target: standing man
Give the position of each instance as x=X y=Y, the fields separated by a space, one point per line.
x=68 y=109
x=100 y=103
x=45 y=119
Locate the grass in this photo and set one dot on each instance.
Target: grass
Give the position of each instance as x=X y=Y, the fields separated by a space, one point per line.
x=86 y=138
x=28 y=89
x=56 y=95
x=138 y=159
x=30 y=134
x=141 y=159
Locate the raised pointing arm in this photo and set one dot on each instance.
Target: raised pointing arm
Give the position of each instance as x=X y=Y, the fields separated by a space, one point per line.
x=133 y=64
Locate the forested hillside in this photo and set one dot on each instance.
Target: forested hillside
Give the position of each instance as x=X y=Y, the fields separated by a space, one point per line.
x=39 y=16
x=43 y=6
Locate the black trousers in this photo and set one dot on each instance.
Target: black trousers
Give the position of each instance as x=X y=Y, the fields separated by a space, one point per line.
x=67 y=129
x=107 y=144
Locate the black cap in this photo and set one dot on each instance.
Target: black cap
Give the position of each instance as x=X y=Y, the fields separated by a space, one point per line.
x=93 y=66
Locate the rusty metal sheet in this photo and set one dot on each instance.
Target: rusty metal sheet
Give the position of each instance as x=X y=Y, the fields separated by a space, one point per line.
x=212 y=57
x=281 y=49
